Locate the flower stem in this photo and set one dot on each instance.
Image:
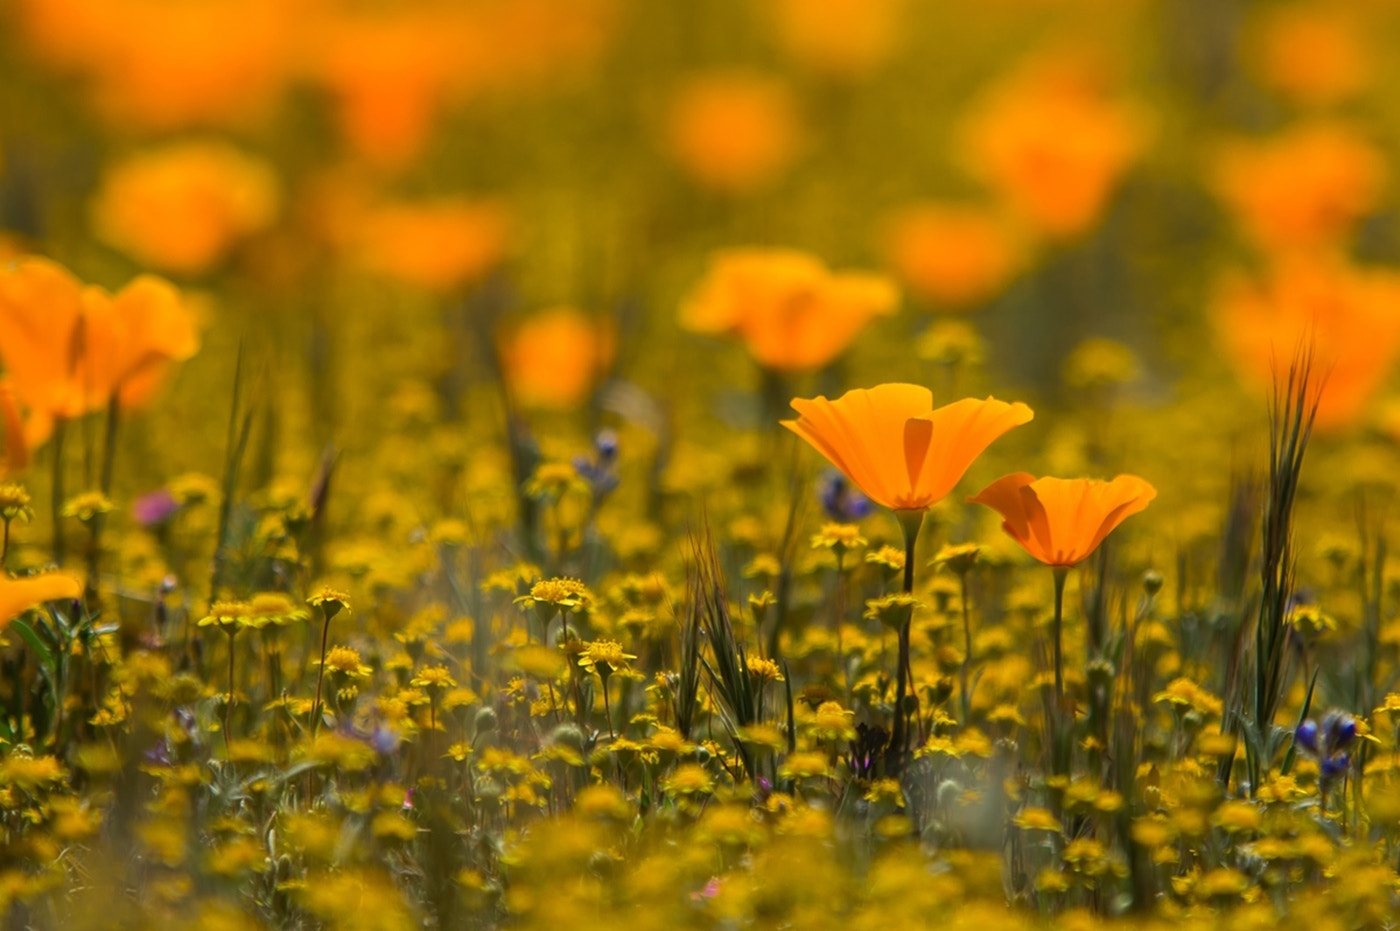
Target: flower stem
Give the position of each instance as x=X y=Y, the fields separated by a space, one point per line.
x=965 y=695
x=320 y=675
x=59 y=429
x=228 y=701
x=1061 y=574
x=910 y=521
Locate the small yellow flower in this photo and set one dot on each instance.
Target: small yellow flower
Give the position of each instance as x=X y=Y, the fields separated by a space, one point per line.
x=87 y=505
x=559 y=594
x=553 y=480
x=891 y=610
x=1034 y=818
x=330 y=601
x=227 y=615
x=832 y=722
x=764 y=670
x=959 y=558
x=346 y=662
x=839 y=538
x=604 y=657
x=688 y=779
x=433 y=678
x=15 y=503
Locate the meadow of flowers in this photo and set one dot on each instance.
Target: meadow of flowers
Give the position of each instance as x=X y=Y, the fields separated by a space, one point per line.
x=760 y=463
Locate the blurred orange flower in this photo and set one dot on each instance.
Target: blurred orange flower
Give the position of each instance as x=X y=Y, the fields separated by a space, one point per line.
x=895 y=446
x=19 y=595
x=1303 y=188
x=1061 y=521
x=1313 y=53
x=68 y=349
x=436 y=245
x=841 y=38
x=181 y=208
x=556 y=357
x=1350 y=317
x=954 y=256
x=390 y=72
x=165 y=65
x=792 y=312
x=734 y=131
x=1053 y=145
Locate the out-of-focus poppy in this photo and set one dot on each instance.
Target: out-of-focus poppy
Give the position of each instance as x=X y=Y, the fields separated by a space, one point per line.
x=1303 y=188
x=162 y=65
x=1347 y=316
x=68 y=349
x=1061 y=521
x=792 y=312
x=845 y=39
x=1315 y=54
x=1053 y=144
x=19 y=595
x=181 y=208
x=734 y=131
x=895 y=446
x=954 y=256
x=439 y=245
x=555 y=358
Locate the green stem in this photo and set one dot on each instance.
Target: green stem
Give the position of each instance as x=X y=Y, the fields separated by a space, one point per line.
x=910 y=522
x=320 y=677
x=966 y=695
x=1061 y=573
x=228 y=702
x=59 y=429
x=109 y=457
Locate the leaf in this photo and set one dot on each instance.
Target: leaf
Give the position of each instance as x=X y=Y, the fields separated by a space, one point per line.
x=36 y=643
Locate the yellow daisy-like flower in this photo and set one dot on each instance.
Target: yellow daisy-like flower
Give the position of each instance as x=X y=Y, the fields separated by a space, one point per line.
x=330 y=600
x=227 y=615
x=604 y=657
x=839 y=538
x=433 y=678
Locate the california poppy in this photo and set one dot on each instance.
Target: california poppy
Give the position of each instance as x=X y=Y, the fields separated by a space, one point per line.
x=895 y=446
x=183 y=207
x=555 y=358
x=1344 y=313
x=734 y=131
x=1303 y=188
x=68 y=348
x=1061 y=521
x=792 y=313
x=1053 y=144
x=902 y=452
x=440 y=245
x=19 y=595
x=956 y=256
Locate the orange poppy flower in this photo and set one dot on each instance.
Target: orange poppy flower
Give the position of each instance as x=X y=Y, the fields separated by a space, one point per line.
x=734 y=131
x=792 y=312
x=19 y=595
x=1053 y=145
x=181 y=208
x=1346 y=314
x=67 y=348
x=163 y=65
x=1061 y=521
x=895 y=446
x=1315 y=54
x=1302 y=188
x=956 y=256
x=556 y=357
x=438 y=245
x=845 y=39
